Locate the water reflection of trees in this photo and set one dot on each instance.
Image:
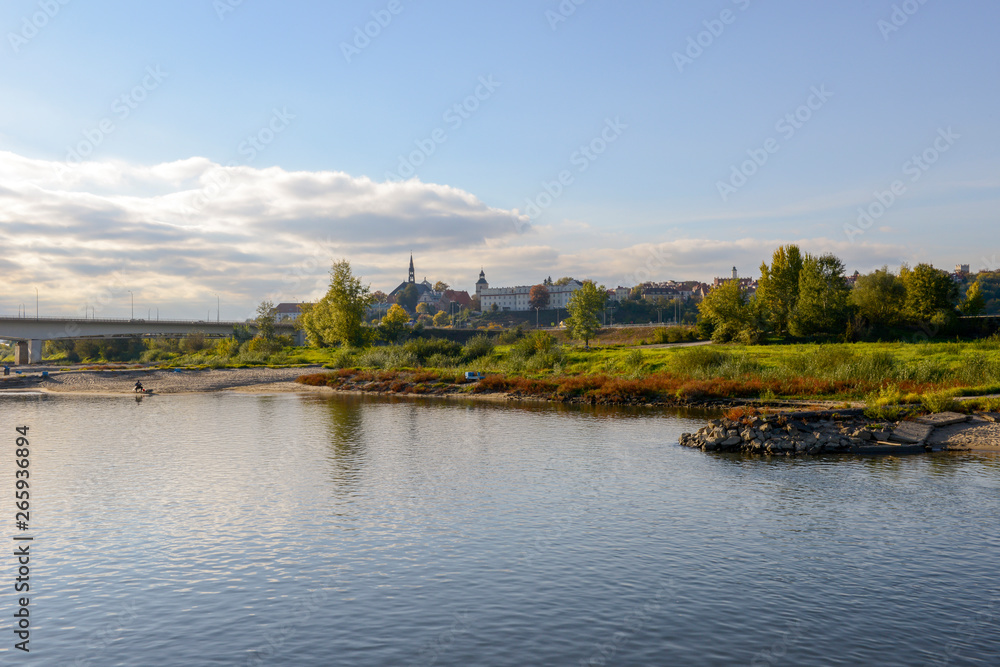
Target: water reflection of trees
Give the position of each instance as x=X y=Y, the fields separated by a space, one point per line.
x=347 y=452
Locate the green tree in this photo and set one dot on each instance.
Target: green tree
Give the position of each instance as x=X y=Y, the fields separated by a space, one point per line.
x=408 y=297
x=583 y=307
x=394 y=322
x=929 y=292
x=880 y=298
x=422 y=308
x=265 y=320
x=727 y=314
x=974 y=302
x=538 y=297
x=823 y=297
x=565 y=280
x=778 y=288
x=339 y=316
x=442 y=319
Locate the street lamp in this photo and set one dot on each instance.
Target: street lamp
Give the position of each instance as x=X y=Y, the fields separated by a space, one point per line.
x=36 y=303
x=132 y=302
x=217 y=307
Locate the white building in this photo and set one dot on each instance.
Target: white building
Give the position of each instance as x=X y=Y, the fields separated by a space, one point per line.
x=517 y=298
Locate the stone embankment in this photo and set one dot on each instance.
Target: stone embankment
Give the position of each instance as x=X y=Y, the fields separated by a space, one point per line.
x=845 y=432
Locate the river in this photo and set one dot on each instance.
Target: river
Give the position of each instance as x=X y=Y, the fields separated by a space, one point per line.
x=233 y=529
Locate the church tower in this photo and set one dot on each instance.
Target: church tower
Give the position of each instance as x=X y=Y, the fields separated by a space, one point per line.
x=481 y=284
x=734 y=272
x=411 y=279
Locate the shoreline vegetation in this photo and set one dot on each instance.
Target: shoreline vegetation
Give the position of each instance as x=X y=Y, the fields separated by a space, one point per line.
x=889 y=379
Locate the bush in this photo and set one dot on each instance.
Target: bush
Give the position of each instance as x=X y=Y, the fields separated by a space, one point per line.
x=939 y=402
x=390 y=356
x=425 y=348
x=478 y=346
x=227 y=347
x=194 y=343
x=509 y=336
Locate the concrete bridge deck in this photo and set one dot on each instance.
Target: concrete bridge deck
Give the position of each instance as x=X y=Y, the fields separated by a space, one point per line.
x=30 y=334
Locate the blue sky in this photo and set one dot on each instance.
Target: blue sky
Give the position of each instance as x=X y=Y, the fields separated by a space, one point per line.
x=173 y=201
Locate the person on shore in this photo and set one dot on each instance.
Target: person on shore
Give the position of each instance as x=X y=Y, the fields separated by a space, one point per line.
x=138 y=386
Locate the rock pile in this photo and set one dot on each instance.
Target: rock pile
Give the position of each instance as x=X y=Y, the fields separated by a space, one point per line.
x=790 y=435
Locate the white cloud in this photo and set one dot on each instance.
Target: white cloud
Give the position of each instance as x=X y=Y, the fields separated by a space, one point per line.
x=178 y=233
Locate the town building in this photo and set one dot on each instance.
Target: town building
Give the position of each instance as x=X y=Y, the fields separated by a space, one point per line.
x=288 y=311
x=517 y=298
x=425 y=290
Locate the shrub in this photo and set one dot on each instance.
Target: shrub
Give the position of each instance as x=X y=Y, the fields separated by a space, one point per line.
x=227 y=347
x=939 y=402
x=478 y=346
x=512 y=335
x=390 y=356
x=425 y=348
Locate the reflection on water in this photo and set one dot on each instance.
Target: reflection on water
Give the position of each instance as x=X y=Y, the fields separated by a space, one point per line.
x=234 y=529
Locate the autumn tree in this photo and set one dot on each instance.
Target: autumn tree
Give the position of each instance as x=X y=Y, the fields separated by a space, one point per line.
x=879 y=298
x=394 y=323
x=974 y=302
x=727 y=314
x=442 y=319
x=538 y=297
x=583 y=307
x=408 y=297
x=441 y=286
x=265 y=321
x=929 y=292
x=823 y=302
x=339 y=316
x=778 y=287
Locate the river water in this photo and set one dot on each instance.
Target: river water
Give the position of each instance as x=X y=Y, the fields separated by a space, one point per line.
x=230 y=529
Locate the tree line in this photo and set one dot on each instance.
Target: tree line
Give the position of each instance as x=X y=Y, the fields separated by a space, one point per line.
x=801 y=295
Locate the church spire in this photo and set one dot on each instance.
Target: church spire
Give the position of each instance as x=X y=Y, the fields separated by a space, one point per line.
x=411 y=278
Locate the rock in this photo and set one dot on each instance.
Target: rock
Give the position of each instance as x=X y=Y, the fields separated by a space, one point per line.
x=732 y=440
x=911 y=433
x=943 y=419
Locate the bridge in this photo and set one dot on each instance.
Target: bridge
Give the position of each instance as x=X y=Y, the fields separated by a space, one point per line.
x=30 y=334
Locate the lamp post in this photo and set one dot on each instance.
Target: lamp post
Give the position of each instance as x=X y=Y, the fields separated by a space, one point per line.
x=132 y=305
x=21 y=310
x=36 y=303
x=218 y=307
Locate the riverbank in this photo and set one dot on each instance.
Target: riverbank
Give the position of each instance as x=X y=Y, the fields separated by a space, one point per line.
x=845 y=432
x=121 y=380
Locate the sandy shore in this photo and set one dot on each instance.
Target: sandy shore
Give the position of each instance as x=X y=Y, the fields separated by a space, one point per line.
x=122 y=381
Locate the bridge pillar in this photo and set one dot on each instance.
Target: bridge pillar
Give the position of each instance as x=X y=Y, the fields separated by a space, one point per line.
x=35 y=351
x=21 y=352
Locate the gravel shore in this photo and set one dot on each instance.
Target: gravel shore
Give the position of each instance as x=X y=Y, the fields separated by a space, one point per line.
x=122 y=381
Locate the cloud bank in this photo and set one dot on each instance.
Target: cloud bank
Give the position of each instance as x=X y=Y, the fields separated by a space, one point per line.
x=178 y=234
